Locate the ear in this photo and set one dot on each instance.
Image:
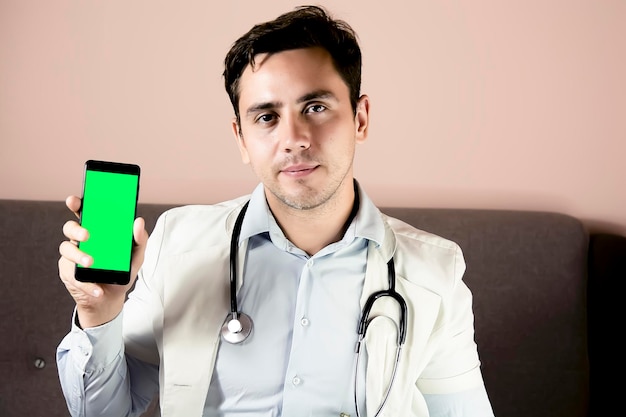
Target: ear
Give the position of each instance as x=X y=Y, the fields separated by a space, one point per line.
x=243 y=151
x=362 y=118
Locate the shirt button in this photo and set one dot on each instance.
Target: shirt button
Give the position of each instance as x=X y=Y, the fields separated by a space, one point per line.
x=304 y=321
x=296 y=381
x=310 y=263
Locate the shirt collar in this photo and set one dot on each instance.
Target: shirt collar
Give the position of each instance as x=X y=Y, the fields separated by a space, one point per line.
x=367 y=224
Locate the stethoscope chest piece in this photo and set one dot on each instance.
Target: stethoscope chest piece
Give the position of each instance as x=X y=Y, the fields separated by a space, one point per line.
x=236 y=328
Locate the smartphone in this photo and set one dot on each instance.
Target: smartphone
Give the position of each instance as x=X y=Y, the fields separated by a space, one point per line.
x=109 y=206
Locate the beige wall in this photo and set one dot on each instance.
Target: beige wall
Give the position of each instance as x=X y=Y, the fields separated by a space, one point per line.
x=483 y=103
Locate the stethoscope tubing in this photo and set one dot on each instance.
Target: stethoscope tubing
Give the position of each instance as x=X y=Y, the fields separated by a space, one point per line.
x=400 y=329
x=234 y=248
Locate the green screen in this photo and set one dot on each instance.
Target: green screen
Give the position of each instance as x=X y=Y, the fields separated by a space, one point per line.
x=108 y=214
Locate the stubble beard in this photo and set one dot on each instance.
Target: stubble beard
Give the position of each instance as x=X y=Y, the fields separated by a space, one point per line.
x=308 y=197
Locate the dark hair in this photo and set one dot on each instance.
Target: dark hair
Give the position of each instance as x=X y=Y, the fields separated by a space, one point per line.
x=304 y=27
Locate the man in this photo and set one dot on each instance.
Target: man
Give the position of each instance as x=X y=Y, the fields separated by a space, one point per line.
x=309 y=249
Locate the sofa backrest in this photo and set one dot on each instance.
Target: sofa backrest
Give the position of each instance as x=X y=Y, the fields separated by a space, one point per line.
x=527 y=272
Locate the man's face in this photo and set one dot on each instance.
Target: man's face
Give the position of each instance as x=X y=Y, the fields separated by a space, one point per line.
x=297 y=128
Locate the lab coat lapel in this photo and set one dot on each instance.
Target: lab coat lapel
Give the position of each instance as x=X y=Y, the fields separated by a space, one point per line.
x=193 y=316
x=195 y=304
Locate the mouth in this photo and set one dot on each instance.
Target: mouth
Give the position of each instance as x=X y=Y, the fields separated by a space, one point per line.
x=299 y=170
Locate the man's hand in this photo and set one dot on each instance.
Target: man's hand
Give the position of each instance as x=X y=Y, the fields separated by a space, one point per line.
x=96 y=304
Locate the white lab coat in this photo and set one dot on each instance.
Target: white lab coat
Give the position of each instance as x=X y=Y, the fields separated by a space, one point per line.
x=183 y=289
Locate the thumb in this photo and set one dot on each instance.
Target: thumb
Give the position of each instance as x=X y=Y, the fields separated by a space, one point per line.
x=140 y=235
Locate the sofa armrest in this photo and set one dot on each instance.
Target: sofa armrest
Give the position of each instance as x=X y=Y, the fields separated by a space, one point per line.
x=607 y=272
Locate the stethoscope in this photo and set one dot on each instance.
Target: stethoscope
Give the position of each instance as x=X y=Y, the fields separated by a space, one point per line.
x=238 y=326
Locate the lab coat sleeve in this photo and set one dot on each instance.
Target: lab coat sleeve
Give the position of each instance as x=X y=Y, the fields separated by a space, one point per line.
x=452 y=382
x=112 y=370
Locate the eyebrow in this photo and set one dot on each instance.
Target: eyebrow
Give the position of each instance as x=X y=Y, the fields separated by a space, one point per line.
x=314 y=95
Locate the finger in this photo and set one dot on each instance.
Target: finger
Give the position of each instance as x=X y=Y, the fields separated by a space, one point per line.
x=80 y=291
x=74 y=231
x=89 y=289
x=74 y=203
x=72 y=253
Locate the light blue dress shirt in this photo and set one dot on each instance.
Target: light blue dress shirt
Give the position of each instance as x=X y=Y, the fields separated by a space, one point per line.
x=305 y=310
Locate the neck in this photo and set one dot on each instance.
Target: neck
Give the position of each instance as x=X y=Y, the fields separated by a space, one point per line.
x=312 y=230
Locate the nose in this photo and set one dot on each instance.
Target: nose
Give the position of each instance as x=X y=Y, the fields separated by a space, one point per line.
x=295 y=133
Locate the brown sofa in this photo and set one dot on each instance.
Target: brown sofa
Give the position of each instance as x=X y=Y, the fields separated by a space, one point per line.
x=528 y=272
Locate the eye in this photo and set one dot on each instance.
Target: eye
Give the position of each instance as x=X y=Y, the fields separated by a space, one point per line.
x=315 y=108
x=265 y=118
